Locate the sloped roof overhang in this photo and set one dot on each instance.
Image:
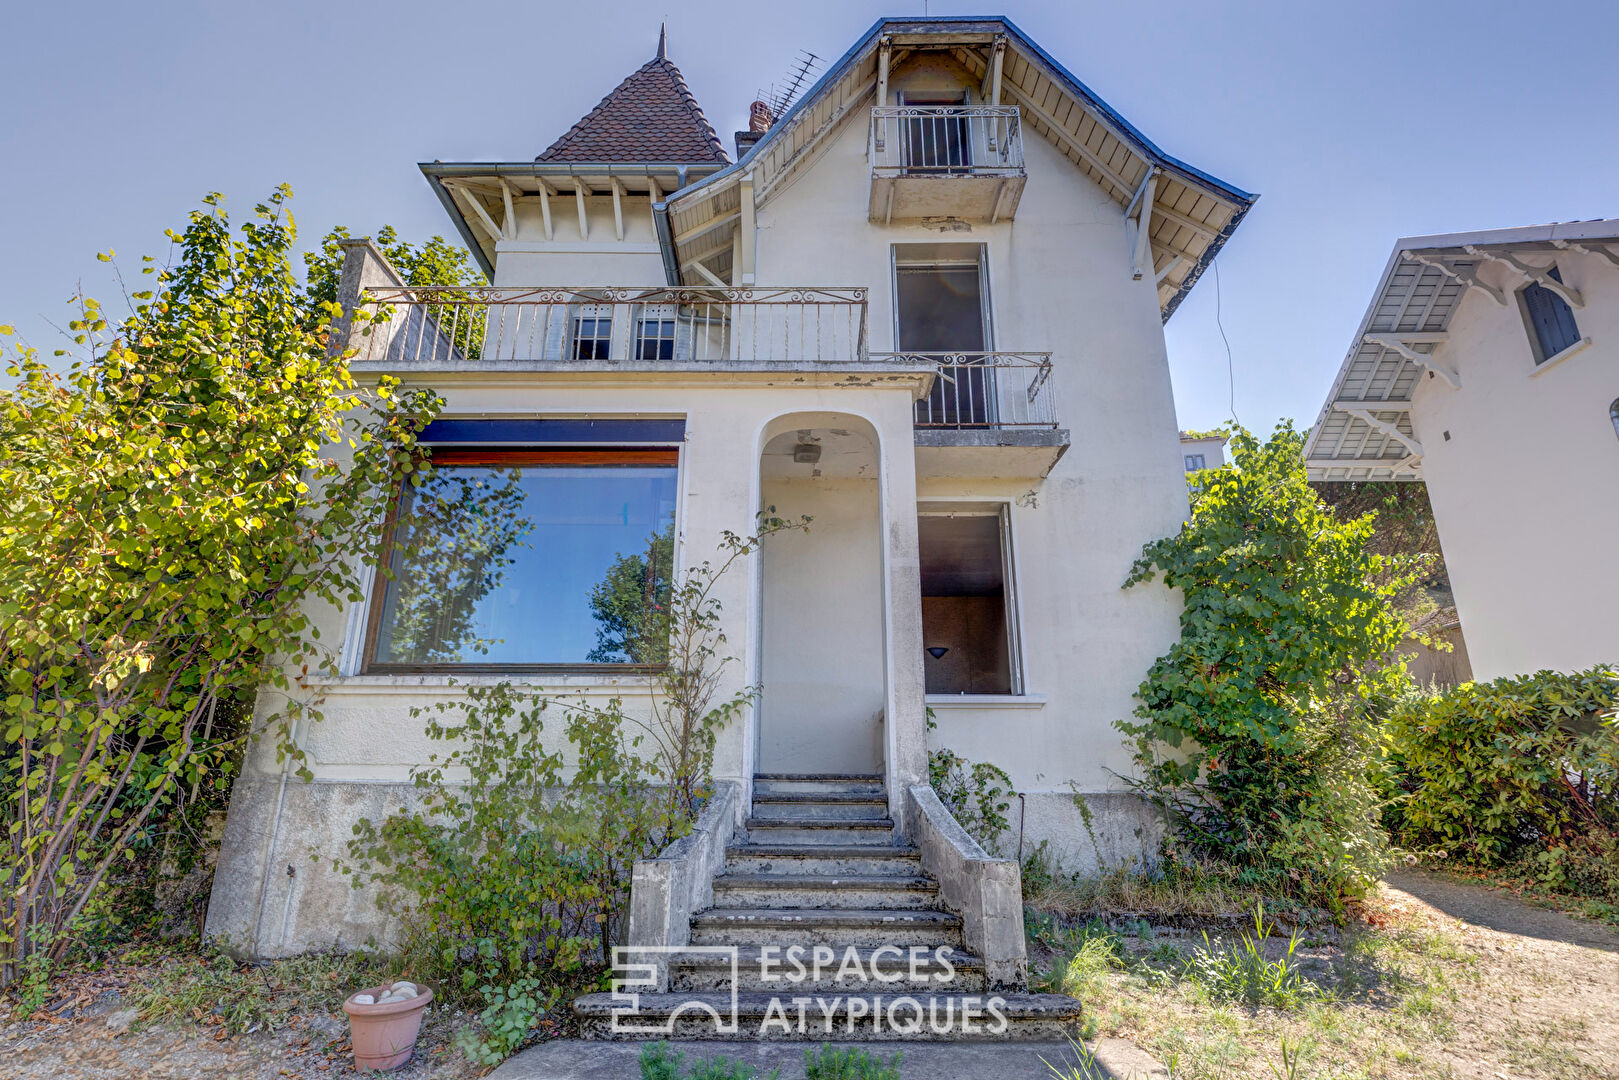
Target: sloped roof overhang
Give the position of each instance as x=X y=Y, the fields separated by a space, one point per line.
x=527 y=179
x=1194 y=213
x=1364 y=429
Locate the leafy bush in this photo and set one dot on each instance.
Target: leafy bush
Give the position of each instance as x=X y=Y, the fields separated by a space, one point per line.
x=1256 y=730
x=976 y=793
x=850 y=1063
x=511 y=1013
x=1492 y=769
x=169 y=514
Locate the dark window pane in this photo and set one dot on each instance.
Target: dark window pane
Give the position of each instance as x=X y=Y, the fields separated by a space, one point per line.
x=592 y=338
x=964 y=605
x=1550 y=319
x=531 y=564
x=656 y=340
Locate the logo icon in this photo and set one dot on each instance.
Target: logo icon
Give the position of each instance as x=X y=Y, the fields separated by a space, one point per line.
x=645 y=970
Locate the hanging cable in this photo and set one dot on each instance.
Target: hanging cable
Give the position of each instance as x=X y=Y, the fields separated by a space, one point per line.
x=1230 y=369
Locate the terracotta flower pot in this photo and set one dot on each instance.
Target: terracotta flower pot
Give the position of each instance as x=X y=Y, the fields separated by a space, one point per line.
x=384 y=1036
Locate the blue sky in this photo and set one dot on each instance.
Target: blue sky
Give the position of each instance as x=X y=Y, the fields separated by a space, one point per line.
x=1356 y=123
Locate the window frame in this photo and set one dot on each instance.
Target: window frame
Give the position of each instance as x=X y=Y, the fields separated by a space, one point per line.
x=512 y=455
x=1009 y=576
x=593 y=314
x=1201 y=459
x=1537 y=347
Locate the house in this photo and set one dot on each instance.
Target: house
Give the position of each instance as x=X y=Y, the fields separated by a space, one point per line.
x=1202 y=450
x=1487 y=366
x=924 y=307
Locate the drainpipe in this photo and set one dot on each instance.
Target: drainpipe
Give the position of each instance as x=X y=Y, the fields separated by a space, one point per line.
x=666 y=240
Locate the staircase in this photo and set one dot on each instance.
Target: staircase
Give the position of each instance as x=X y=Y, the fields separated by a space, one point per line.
x=820 y=869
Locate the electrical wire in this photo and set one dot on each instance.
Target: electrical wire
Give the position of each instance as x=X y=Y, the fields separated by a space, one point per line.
x=1230 y=368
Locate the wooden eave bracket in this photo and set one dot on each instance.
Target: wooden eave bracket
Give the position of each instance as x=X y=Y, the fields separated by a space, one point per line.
x=1383 y=427
x=1540 y=276
x=1142 y=204
x=1602 y=251
x=1402 y=344
x=1466 y=277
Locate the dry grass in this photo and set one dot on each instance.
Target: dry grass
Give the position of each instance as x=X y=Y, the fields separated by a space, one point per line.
x=1405 y=991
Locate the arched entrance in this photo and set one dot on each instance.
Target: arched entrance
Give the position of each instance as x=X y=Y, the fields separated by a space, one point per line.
x=822 y=670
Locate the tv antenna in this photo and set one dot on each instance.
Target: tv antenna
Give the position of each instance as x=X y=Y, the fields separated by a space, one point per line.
x=780 y=98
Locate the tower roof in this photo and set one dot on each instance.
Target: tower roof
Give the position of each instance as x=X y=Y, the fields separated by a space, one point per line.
x=649 y=117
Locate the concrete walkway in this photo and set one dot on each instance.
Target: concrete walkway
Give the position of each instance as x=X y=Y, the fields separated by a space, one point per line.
x=578 y=1059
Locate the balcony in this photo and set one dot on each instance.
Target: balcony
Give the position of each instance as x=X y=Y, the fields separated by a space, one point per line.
x=509 y=328
x=988 y=414
x=933 y=161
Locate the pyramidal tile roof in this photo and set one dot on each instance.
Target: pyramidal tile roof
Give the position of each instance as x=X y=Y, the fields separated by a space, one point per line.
x=650 y=116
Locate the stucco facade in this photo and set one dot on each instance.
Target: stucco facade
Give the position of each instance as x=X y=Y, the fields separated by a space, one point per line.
x=829 y=623
x=1518 y=446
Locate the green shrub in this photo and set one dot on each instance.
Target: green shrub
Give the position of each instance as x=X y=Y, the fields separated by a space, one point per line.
x=851 y=1063
x=1491 y=771
x=977 y=793
x=511 y=1013
x=1256 y=730
x=659 y=1061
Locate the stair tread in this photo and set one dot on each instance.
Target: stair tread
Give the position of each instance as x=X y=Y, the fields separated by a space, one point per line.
x=748 y=956
x=877 y=797
x=756 y=822
x=825 y=851
x=823 y=777
x=829 y=881
x=756 y=1003
x=757 y=916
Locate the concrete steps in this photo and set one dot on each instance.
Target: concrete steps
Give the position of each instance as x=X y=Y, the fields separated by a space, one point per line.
x=799 y=971
x=830 y=890
x=817 y=876
x=883 y=1017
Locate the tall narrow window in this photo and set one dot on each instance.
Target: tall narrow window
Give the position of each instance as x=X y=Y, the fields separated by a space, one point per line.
x=1551 y=321
x=967 y=625
x=1613 y=414
x=529 y=557
x=940 y=304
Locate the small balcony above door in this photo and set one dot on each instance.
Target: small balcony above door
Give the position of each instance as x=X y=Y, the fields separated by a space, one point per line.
x=960 y=161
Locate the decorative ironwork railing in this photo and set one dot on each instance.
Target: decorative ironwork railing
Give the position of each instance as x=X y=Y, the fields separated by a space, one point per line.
x=449 y=326
x=946 y=140
x=985 y=390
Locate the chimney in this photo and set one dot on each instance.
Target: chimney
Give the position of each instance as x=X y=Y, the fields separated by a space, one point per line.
x=759 y=121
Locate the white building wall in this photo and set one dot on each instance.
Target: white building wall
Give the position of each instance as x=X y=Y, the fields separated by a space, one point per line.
x=1522 y=466
x=1059 y=281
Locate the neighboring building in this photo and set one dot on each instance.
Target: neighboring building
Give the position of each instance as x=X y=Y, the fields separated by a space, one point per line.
x=926 y=308
x=1487 y=365
x=1202 y=450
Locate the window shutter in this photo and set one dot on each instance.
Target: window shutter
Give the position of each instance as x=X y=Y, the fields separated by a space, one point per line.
x=1550 y=319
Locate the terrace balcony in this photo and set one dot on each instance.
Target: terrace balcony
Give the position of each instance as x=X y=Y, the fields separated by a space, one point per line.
x=984 y=414
x=961 y=161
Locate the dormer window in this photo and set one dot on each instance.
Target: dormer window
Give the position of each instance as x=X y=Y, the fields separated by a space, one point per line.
x=1550 y=320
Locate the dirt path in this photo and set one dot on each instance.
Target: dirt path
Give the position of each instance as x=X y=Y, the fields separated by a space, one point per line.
x=1544 y=993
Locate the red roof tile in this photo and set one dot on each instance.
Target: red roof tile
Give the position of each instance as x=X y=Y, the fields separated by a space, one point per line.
x=650 y=116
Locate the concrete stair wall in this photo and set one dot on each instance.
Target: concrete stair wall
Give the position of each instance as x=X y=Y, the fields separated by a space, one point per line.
x=818 y=877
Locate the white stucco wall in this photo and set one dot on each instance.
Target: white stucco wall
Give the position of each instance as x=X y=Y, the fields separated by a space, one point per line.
x=1059 y=281
x=1522 y=466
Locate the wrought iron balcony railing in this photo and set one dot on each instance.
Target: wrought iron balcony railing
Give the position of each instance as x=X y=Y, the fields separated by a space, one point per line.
x=946 y=140
x=988 y=390
x=438 y=327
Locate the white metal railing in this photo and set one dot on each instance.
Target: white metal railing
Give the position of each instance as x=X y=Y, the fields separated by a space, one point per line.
x=450 y=326
x=985 y=390
x=946 y=140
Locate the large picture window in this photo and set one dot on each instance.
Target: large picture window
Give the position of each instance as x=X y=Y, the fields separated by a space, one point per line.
x=555 y=558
